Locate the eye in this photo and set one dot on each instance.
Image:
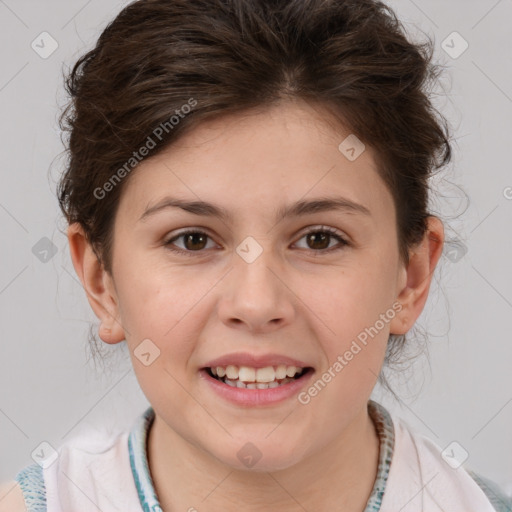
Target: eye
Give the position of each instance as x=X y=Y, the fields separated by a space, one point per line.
x=320 y=238
x=194 y=241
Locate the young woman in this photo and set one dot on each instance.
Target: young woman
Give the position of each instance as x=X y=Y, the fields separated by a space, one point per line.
x=247 y=197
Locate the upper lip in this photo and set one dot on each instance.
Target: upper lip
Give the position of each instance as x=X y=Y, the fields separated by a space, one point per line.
x=255 y=361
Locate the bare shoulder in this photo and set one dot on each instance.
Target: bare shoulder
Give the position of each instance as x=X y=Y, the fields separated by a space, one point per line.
x=11 y=497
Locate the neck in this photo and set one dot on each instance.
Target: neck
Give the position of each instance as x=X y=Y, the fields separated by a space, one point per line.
x=339 y=476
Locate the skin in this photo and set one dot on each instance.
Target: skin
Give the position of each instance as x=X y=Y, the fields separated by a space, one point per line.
x=297 y=298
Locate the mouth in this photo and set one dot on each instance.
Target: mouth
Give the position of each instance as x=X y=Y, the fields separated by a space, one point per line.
x=247 y=377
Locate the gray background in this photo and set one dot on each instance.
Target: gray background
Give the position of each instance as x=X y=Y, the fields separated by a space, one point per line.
x=50 y=389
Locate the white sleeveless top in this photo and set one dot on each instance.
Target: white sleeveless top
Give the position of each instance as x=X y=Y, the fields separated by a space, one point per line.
x=412 y=475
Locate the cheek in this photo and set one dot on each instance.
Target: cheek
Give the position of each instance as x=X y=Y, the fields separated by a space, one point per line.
x=153 y=296
x=355 y=309
x=167 y=331
x=167 y=309
x=353 y=297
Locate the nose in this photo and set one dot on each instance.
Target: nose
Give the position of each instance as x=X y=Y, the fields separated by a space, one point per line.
x=256 y=296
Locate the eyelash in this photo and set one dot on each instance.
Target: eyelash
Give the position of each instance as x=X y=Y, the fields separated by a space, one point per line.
x=322 y=229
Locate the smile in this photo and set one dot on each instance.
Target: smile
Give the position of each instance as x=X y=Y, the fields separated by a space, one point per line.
x=250 y=380
x=255 y=378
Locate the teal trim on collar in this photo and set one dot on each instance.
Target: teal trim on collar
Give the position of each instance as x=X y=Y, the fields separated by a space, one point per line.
x=137 y=446
x=386 y=434
x=31 y=481
x=499 y=500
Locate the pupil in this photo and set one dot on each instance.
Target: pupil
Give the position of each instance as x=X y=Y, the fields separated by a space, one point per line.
x=193 y=237
x=323 y=237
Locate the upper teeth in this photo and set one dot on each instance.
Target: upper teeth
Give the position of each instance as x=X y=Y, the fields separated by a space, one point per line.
x=248 y=374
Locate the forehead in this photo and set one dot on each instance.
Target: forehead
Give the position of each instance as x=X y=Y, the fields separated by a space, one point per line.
x=268 y=157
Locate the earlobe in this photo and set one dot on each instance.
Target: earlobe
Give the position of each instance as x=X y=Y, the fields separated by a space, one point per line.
x=418 y=277
x=97 y=284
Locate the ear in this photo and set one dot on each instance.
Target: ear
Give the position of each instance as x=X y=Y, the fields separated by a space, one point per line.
x=416 y=278
x=97 y=283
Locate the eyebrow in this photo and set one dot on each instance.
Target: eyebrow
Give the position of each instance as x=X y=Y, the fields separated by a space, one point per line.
x=203 y=208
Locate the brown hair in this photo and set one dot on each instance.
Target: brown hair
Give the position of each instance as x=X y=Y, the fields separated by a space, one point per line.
x=231 y=56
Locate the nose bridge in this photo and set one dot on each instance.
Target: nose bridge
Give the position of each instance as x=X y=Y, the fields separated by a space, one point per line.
x=254 y=262
x=257 y=296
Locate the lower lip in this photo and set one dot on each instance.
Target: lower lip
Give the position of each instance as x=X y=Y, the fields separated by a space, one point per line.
x=254 y=397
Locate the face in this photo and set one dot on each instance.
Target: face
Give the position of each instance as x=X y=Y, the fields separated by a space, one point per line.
x=256 y=289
